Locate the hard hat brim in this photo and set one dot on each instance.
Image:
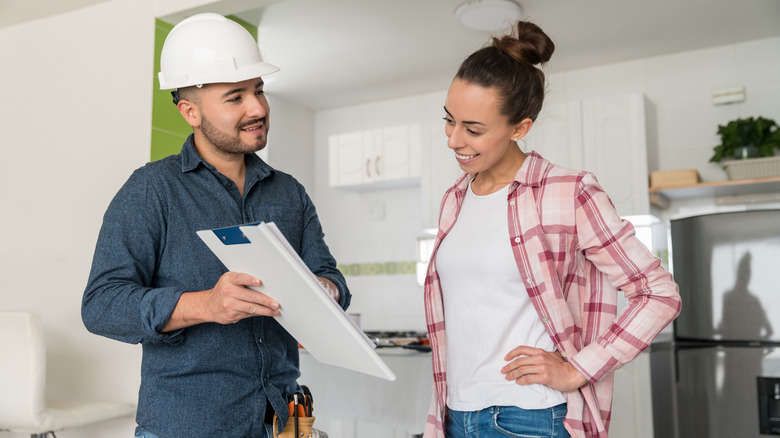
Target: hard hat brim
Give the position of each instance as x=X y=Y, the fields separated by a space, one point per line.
x=249 y=72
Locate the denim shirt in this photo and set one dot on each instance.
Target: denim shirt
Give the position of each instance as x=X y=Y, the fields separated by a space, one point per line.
x=208 y=380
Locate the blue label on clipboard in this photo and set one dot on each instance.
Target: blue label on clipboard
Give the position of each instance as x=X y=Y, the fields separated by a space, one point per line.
x=232 y=235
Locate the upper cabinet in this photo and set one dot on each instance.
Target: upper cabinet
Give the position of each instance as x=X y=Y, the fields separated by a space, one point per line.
x=557 y=135
x=440 y=171
x=376 y=158
x=615 y=150
x=605 y=136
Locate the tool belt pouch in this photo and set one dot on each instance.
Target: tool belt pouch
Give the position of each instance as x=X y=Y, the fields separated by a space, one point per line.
x=305 y=428
x=301 y=421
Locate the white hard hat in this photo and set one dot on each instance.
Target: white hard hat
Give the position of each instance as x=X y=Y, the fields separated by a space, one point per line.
x=209 y=48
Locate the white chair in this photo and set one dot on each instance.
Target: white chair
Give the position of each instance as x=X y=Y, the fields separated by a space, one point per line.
x=23 y=405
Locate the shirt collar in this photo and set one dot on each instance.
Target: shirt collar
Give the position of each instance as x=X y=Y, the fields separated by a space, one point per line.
x=530 y=173
x=256 y=168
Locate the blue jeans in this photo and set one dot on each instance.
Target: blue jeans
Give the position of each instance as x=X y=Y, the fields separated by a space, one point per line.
x=269 y=433
x=508 y=421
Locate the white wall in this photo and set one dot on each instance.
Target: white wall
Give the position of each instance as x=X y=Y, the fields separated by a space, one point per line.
x=76 y=114
x=291 y=139
x=684 y=122
x=76 y=121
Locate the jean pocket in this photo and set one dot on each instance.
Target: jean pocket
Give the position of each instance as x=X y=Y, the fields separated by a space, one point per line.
x=523 y=423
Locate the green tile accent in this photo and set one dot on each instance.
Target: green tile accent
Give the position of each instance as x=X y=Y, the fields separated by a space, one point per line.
x=372 y=269
x=169 y=130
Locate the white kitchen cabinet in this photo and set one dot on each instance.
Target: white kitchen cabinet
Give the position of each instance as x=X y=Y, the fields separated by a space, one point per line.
x=605 y=136
x=346 y=152
x=557 y=135
x=440 y=170
x=615 y=150
x=376 y=158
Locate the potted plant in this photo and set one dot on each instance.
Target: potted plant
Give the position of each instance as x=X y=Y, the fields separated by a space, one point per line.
x=747 y=148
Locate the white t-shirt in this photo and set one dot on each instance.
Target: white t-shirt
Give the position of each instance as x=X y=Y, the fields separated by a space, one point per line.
x=487 y=310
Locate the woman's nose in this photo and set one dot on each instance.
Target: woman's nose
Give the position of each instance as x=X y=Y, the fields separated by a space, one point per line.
x=453 y=138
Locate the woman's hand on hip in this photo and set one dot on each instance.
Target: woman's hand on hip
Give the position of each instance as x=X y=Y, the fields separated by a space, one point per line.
x=529 y=365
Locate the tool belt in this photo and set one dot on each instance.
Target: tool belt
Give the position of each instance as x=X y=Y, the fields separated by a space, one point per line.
x=301 y=421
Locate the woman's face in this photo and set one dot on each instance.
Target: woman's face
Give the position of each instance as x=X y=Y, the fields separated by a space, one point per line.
x=478 y=133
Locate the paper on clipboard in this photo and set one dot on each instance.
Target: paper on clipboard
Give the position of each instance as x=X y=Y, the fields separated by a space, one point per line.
x=308 y=312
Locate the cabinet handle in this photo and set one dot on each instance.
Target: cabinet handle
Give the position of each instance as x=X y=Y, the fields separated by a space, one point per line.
x=376 y=166
x=368 y=168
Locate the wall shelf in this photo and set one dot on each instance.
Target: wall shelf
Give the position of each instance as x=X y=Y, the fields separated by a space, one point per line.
x=735 y=191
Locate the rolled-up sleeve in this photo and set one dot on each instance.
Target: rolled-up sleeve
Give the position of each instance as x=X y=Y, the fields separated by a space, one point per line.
x=119 y=301
x=610 y=244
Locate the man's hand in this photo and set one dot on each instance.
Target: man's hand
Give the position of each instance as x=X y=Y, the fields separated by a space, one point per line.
x=533 y=365
x=228 y=302
x=331 y=288
x=231 y=300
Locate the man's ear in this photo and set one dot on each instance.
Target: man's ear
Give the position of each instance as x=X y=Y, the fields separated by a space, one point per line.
x=190 y=112
x=522 y=128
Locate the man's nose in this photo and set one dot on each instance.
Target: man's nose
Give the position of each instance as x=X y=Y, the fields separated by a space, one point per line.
x=258 y=107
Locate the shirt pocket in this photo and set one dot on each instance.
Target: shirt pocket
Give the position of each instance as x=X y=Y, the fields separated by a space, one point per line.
x=288 y=218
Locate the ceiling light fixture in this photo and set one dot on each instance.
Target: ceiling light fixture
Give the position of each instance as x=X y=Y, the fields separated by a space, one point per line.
x=488 y=15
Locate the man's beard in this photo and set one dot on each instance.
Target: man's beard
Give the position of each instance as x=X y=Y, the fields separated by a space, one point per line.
x=231 y=145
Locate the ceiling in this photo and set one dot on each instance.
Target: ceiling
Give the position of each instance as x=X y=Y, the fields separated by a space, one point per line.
x=335 y=53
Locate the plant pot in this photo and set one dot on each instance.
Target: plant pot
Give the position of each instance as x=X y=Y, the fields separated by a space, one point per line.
x=746 y=152
x=752 y=168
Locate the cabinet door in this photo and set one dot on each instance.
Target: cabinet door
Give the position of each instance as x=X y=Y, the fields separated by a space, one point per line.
x=372 y=156
x=439 y=174
x=363 y=160
x=557 y=135
x=400 y=152
x=346 y=152
x=615 y=150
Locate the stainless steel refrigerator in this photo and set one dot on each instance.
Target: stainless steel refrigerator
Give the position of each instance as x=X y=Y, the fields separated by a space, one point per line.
x=719 y=374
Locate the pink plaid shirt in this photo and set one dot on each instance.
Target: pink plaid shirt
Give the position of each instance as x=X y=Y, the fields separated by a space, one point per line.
x=574 y=253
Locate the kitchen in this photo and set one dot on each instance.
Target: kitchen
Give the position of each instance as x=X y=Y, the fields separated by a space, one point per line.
x=86 y=152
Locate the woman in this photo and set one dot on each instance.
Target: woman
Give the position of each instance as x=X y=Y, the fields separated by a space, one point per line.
x=527 y=264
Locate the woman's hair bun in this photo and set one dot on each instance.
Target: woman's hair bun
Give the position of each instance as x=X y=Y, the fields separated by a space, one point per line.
x=529 y=44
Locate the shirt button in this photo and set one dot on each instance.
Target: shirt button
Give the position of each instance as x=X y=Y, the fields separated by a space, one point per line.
x=517 y=239
x=563 y=353
x=529 y=280
x=512 y=202
x=545 y=319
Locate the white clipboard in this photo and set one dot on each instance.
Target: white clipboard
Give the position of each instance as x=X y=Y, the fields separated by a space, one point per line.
x=306 y=309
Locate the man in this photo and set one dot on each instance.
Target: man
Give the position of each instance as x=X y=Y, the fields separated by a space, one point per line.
x=215 y=363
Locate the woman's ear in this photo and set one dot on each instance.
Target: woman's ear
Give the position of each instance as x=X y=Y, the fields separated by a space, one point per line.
x=190 y=112
x=522 y=128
